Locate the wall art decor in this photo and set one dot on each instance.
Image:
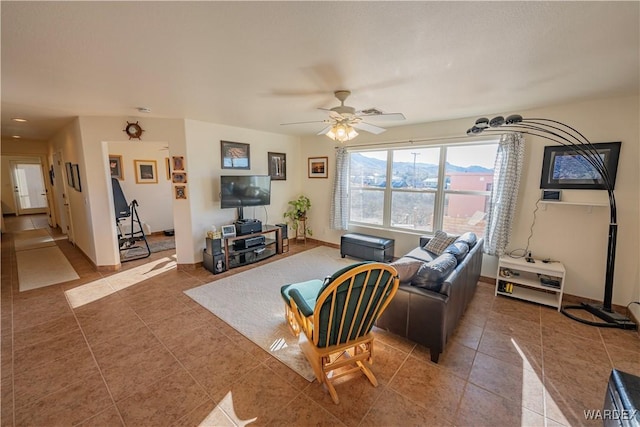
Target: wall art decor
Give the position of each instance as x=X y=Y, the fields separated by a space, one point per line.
x=318 y=167
x=179 y=177
x=115 y=166
x=235 y=155
x=180 y=191
x=146 y=171
x=277 y=166
x=178 y=163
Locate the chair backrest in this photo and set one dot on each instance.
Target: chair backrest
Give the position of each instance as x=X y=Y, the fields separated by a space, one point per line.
x=351 y=301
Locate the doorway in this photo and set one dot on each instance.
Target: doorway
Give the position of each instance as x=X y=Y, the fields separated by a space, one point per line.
x=29 y=189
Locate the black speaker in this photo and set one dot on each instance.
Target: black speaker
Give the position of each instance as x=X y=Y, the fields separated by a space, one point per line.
x=214 y=246
x=284 y=229
x=218 y=264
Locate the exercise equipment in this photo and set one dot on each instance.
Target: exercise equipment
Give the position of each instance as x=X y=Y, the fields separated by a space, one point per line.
x=127 y=241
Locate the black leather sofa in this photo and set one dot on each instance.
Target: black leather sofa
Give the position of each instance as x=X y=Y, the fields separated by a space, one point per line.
x=428 y=315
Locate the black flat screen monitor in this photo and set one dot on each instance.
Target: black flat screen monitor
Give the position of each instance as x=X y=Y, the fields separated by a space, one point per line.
x=567 y=167
x=244 y=190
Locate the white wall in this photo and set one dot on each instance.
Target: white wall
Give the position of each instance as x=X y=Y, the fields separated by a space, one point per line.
x=154 y=199
x=566 y=233
x=203 y=165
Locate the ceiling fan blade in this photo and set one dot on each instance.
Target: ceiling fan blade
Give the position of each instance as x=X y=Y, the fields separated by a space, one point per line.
x=336 y=116
x=367 y=127
x=374 y=113
x=303 y=123
x=325 y=130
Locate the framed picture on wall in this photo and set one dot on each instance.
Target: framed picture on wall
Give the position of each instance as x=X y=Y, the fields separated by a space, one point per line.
x=318 y=167
x=69 y=171
x=180 y=191
x=178 y=163
x=179 y=177
x=146 y=171
x=235 y=155
x=76 y=177
x=115 y=166
x=277 y=166
x=167 y=164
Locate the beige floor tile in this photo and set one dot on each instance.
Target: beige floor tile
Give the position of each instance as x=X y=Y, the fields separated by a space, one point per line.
x=480 y=407
x=68 y=406
x=440 y=390
x=163 y=403
x=392 y=407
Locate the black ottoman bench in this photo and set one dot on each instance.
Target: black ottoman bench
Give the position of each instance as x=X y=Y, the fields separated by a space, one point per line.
x=370 y=248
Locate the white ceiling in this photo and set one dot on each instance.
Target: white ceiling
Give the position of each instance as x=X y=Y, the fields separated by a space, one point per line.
x=259 y=64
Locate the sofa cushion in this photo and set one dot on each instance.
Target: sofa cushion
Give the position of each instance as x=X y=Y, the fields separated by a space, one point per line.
x=439 y=242
x=469 y=238
x=421 y=254
x=406 y=268
x=458 y=249
x=431 y=275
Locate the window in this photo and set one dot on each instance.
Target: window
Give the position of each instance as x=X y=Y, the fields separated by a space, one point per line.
x=423 y=189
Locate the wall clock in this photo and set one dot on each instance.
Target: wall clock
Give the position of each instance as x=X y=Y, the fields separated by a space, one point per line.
x=133 y=130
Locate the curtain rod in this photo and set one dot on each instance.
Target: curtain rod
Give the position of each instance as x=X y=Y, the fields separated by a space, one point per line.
x=413 y=141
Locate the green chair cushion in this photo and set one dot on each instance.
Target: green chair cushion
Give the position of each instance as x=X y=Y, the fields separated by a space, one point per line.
x=305 y=291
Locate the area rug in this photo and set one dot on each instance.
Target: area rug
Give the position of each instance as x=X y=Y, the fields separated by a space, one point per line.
x=32 y=239
x=250 y=301
x=140 y=248
x=42 y=267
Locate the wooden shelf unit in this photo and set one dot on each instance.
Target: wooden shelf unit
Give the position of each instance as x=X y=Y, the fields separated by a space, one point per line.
x=271 y=246
x=525 y=280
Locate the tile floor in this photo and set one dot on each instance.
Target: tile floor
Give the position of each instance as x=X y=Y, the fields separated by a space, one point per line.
x=143 y=354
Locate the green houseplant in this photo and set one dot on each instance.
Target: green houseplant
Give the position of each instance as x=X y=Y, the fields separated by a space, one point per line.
x=296 y=215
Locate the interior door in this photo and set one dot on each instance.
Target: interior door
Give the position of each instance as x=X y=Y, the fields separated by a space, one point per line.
x=28 y=186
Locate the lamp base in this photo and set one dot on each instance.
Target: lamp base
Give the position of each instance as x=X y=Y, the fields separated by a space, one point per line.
x=611 y=318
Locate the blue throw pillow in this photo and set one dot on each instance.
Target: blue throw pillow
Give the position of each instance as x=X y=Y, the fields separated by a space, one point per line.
x=458 y=249
x=431 y=275
x=469 y=238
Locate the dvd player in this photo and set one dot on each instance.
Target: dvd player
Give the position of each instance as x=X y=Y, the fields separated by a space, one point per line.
x=248 y=243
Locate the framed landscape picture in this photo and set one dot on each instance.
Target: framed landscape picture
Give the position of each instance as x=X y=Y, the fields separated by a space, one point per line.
x=318 y=167
x=75 y=168
x=277 y=166
x=146 y=171
x=115 y=166
x=235 y=155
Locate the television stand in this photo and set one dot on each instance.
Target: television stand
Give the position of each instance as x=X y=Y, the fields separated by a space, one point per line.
x=239 y=257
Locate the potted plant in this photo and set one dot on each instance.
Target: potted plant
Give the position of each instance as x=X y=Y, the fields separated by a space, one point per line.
x=296 y=215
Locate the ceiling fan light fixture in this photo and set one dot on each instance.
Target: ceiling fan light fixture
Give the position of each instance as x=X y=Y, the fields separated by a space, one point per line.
x=341 y=132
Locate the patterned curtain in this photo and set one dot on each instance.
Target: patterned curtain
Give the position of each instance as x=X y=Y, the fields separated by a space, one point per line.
x=339 y=196
x=504 y=194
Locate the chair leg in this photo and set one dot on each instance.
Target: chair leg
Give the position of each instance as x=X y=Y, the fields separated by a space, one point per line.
x=291 y=320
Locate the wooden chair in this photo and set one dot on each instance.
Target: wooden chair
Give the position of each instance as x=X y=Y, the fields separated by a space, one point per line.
x=337 y=315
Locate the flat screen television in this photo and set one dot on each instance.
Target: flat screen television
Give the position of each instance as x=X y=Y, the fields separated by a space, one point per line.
x=239 y=191
x=565 y=168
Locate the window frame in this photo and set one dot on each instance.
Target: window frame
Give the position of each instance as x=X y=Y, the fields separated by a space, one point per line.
x=440 y=192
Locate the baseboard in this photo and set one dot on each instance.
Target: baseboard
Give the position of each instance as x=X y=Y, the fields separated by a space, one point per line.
x=488 y=280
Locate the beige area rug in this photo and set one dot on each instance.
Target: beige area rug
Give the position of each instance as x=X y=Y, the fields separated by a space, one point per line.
x=40 y=262
x=251 y=303
x=32 y=239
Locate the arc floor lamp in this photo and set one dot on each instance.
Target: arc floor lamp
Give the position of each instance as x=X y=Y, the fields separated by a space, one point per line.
x=563 y=134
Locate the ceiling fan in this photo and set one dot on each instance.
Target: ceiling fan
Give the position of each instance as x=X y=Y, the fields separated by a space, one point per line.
x=343 y=120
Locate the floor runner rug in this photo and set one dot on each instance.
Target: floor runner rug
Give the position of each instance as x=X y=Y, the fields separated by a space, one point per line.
x=42 y=267
x=250 y=301
x=32 y=239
